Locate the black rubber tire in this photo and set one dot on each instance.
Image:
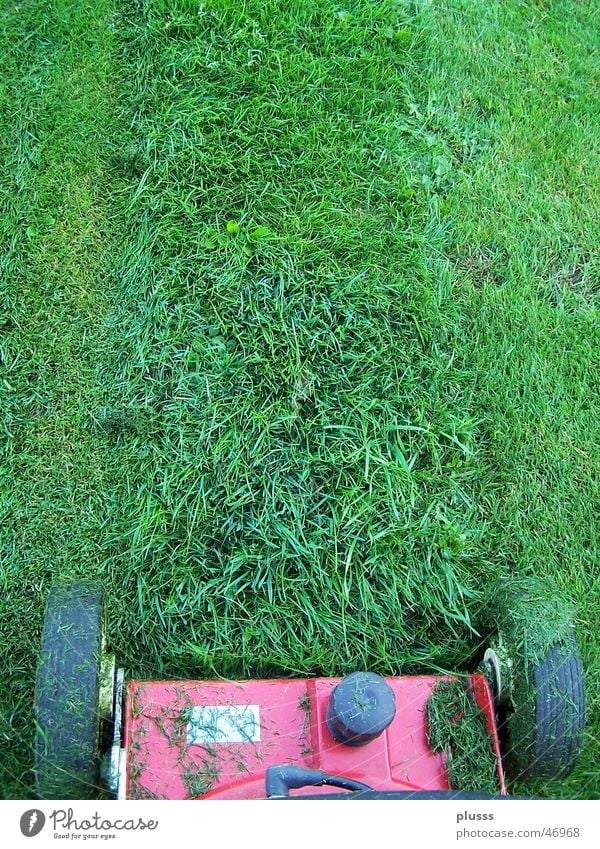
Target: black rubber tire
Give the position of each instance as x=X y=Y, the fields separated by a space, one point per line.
x=560 y=712
x=544 y=732
x=67 y=749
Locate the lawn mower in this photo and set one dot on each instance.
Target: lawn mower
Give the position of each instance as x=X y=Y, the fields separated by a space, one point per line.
x=355 y=737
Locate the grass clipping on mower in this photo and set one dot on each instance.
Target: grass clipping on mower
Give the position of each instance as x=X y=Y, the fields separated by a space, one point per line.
x=456 y=726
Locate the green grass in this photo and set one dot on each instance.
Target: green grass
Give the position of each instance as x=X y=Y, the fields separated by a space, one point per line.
x=299 y=331
x=456 y=728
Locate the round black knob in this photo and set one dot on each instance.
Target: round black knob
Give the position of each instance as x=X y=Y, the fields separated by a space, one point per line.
x=360 y=708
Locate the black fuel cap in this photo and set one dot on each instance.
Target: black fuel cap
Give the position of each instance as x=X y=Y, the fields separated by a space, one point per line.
x=360 y=708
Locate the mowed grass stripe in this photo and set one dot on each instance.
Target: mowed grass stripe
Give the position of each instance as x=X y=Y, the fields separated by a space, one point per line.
x=56 y=110
x=518 y=99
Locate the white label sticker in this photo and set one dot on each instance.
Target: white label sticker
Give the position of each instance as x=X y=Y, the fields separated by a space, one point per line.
x=223 y=724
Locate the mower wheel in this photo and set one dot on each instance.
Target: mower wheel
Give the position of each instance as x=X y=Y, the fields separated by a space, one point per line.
x=69 y=694
x=541 y=707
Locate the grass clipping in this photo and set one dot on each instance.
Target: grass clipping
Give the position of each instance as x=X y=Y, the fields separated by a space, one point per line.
x=531 y=615
x=456 y=725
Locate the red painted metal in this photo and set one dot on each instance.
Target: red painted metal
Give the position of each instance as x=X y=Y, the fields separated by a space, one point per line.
x=161 y=763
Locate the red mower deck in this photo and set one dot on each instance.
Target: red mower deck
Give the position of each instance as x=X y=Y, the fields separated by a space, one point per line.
x=215 y=739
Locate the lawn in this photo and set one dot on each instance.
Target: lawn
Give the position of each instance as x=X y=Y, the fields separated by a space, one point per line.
x=298 y=331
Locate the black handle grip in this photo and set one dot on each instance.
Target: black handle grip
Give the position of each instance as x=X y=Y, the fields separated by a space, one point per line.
x=281 y=779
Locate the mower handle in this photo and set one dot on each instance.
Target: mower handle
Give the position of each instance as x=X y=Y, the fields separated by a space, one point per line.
x=281 y=779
